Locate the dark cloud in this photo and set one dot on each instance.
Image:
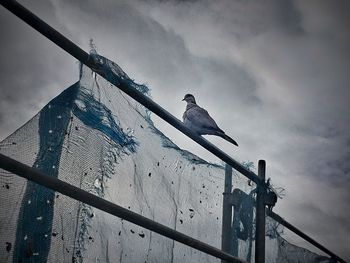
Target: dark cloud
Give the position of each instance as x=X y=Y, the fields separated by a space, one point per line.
x=32 y=71
x=322 y=223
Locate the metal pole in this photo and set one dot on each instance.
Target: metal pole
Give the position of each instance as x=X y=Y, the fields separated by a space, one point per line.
x=235 y=241
x=123 y=85
x=283 y=222
x=260 y=216
x=226 y=239
x=51 y=182
x=295 y=230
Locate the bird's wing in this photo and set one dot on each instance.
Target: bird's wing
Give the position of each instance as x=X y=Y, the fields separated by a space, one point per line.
x=200 y=118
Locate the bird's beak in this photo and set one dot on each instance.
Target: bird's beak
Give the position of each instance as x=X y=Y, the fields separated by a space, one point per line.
x=183 y=99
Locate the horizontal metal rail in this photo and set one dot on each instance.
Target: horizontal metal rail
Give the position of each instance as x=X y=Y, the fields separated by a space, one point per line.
x=84 y=57
x=74 y=192
x=283 y=222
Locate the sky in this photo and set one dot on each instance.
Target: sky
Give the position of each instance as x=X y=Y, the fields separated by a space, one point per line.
x=274 y=74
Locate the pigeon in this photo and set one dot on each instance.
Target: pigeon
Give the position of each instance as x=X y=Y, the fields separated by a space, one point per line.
x=198 y=120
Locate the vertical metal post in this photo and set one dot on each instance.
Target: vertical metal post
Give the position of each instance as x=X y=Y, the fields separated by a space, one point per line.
x=260 y=216
x=235 y=232
x=226 y=239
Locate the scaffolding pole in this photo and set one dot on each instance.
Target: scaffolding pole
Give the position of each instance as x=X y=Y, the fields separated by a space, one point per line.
x=63 y=42
x=292 y=228
x=76 y=193
x=226 y=236
x=260 y=216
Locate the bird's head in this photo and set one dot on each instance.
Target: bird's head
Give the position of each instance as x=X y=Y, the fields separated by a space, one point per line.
x=189 y=98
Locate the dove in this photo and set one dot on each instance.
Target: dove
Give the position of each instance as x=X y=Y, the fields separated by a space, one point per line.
x=198 y=120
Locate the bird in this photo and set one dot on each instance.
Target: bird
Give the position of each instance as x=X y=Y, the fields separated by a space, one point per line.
x=198 y=120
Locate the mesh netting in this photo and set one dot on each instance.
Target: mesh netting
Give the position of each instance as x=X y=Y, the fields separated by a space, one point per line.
x=97 y=138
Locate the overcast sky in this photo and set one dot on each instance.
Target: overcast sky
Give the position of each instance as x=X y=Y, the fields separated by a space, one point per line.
x=274 y=74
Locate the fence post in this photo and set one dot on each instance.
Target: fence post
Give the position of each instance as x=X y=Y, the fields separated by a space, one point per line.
x=226 y=237
x=260 y=216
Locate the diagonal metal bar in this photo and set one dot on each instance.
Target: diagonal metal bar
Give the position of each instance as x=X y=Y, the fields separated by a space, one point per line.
x=76 y=193
x=84 y=57
x=239 y=194
x=283 y=222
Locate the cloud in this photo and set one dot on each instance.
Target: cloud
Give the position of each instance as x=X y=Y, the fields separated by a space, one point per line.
x=32 y=71
x=298 y=73
x=274 y=75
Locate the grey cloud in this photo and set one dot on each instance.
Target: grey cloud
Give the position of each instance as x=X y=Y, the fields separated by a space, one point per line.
x=274 y=74
x=237 y=82
x=30 y=70
x=324 y=224
x=327 y=18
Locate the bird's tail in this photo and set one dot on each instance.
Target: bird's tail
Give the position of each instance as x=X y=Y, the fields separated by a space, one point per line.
x=228 y=138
